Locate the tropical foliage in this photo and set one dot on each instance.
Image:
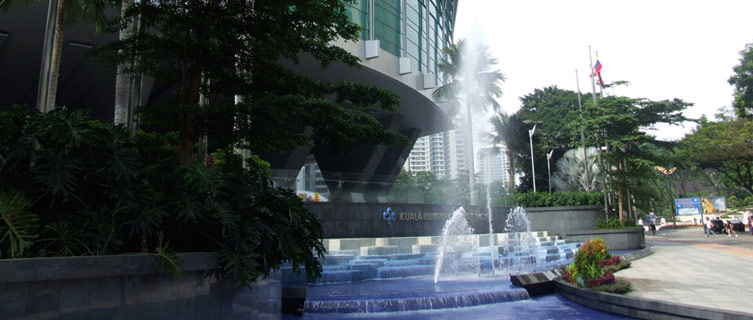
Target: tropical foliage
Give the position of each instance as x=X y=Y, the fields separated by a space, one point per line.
x=594 y=268
x=224 y=53
x=742 y=81
x=570 y=174
x=471 y=82
x=724 y=147
x=73 y=186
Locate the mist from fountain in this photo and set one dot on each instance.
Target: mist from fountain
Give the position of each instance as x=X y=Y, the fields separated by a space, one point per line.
x=489 y=215
x=457 y=239
x=522 y=243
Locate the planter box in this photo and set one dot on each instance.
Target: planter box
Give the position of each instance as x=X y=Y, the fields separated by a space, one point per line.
x=615 y=239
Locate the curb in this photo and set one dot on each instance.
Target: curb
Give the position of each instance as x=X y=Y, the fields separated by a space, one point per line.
x=641 y=307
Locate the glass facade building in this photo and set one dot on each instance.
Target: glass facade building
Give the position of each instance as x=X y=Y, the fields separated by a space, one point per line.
x=416 y=29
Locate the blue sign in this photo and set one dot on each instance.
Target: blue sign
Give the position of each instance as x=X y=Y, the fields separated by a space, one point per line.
x=687 y=206
x=388 y=215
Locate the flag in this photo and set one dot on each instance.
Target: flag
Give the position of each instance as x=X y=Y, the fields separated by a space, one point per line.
x=597 y=72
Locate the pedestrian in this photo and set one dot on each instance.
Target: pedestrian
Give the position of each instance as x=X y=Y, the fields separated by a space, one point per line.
x=708 y=226
x=750 y=224
x=730 y=229
x=652 y=227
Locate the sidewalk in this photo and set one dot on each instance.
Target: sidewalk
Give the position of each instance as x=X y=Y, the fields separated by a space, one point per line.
x=688 y=268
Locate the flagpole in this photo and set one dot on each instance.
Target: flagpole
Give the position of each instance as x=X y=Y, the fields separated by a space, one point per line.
x=598 y=145
x=582 y=134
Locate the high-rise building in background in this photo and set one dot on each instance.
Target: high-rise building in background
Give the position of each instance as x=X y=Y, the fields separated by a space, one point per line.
x=443 y=154
x=493 y=164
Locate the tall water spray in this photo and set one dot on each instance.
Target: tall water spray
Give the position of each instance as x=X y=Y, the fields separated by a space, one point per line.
x=456 y=239
x=489 y=213
x=523 y=241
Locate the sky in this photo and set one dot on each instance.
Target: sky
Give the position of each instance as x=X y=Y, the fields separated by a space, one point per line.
x=665 y=48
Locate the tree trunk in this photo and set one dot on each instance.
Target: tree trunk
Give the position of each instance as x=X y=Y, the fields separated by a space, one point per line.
x=510 y=159
x=620 y=194
x=57 y=49
x=123 y=79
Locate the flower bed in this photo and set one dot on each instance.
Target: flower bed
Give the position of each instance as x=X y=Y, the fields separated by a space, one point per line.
x=594 y=268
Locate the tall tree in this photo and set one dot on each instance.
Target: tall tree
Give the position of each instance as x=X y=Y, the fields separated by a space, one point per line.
x=67 y=12
x=248 y=49
x=507 y=131
x=554 y=109
x=470 y=81
x=622 y=123
x=742 y=80
x=123 y=113
x=724 y=147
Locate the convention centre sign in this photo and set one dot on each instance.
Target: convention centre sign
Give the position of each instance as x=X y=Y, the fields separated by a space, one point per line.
x=696 y=206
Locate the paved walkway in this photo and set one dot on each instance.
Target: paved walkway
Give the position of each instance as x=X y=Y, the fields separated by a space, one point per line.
x=688 y=268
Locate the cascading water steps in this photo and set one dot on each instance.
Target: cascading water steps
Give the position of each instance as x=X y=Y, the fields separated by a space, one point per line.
x=456 y=269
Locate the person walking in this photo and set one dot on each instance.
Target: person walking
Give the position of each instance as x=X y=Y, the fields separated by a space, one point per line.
x=652 y=227
x=708 y=227
x=750 y=224
x=730 y=229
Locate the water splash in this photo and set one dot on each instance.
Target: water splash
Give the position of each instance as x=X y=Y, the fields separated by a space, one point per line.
x=522 y=245
x=457 y=237
x=492 y=248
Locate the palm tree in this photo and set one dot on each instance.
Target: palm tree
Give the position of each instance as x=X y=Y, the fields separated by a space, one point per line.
x=506 y=130
x=123 y=80
x=571 y=173
x=469 y=81
x=67 y=11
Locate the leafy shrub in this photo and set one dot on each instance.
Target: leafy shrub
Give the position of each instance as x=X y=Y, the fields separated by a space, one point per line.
x=585 y=265
x=605 y=279
x=93 y=190
x=619 y=286
x=609 y=261
x=594 y=268
x=622 y=264
x=615 y=223
x=558 y=199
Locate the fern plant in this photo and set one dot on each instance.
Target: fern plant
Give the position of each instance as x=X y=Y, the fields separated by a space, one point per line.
x=17 y=228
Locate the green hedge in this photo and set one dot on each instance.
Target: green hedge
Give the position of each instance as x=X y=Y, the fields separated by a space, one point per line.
x=558 y=199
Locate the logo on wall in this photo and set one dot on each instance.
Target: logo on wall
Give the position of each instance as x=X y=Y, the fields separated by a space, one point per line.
x=388 y=215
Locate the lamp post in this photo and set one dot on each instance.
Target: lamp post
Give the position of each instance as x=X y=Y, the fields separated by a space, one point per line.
x=549 y=169
x=530 y=138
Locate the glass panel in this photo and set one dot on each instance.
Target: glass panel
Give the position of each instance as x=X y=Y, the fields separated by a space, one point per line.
x=358 y=12
x=387 y=25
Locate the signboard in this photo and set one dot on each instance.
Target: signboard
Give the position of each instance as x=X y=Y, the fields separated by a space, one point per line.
x=687 y=206
x=714 y=205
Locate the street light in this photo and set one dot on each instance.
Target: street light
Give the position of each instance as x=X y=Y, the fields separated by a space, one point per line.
x=530 y=138
x=549 y=169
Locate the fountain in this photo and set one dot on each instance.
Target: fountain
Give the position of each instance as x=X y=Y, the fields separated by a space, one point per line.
x=387 y=275
x=405 y=277
x=456 y=239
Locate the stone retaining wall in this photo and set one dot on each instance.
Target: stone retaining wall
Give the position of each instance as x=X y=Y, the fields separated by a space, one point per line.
x=128 y=287
x=615 y=239
x=365 y=220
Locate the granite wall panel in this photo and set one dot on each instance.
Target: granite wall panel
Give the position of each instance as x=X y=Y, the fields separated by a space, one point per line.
x=126 y=287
